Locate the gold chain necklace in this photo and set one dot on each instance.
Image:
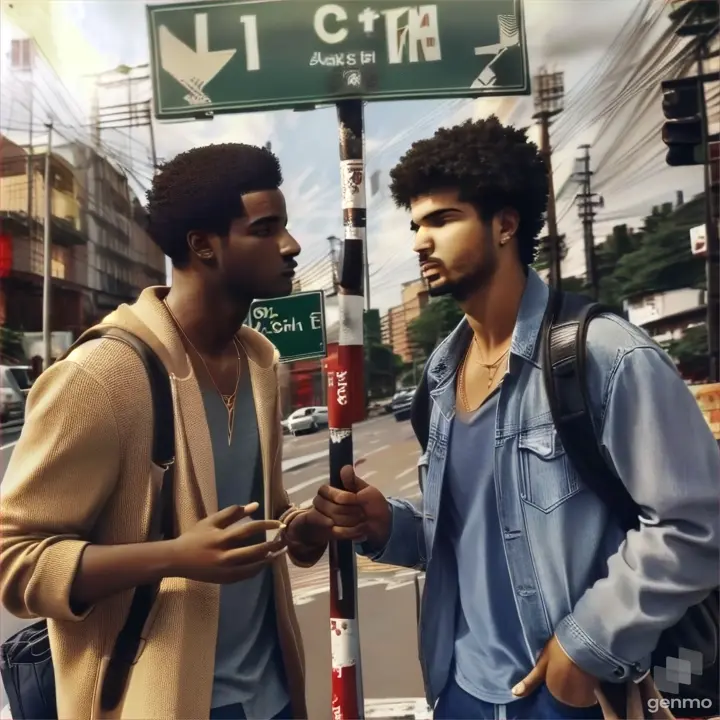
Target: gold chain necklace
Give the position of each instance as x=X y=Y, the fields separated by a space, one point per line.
x=461 y=375
x=492 y=367
x=228 y=400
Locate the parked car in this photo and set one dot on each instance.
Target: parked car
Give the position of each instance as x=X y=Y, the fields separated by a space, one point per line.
x=308 y=420
x=15 y=384
x=19 y=376
x=402 y=402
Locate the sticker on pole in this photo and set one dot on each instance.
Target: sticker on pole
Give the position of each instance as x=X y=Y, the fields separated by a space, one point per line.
x=353 y=232
x=351 y=319
x=343 y=643
x=352 y=182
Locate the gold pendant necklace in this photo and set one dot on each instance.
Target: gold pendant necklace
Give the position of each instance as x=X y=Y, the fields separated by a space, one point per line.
x=492 y=367
x=228 y=400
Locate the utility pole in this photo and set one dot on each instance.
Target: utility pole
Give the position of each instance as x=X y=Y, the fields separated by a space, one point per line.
x=587 y=202
x=47 y=253
x=128 y=115
x=686 y=134
x=549 y=101
x=366 y=271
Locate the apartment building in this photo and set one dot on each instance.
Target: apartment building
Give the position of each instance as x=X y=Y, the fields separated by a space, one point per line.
x=394 y=326
x=101 y=254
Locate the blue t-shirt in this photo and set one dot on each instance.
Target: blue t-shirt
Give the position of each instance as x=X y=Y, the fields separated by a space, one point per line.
x=248 y=664
x=491 y=654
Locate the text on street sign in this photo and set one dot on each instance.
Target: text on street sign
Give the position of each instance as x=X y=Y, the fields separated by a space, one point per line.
x=230 y=55
x=294 y=324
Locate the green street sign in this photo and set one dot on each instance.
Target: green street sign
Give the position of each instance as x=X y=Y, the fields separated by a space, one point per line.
x=295 y=324
x=229 y=56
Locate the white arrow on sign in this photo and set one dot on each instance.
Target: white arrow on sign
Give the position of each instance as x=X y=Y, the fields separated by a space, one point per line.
x=509 y=37
x=193 y=69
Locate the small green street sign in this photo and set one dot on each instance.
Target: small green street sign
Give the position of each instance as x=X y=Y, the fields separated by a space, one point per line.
x=295 y=324
x=229 y=55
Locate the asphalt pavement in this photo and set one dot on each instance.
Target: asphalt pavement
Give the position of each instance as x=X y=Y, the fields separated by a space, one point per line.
x=392 y=680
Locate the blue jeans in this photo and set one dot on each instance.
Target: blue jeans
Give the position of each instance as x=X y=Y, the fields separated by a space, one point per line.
x=456 y=704
x=236 y=712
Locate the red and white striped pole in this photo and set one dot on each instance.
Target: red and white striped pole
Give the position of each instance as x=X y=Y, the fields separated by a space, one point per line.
x=346 y=403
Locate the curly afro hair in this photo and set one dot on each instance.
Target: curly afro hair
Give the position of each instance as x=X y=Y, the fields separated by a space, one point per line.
x=492 y=167
x=201 y=190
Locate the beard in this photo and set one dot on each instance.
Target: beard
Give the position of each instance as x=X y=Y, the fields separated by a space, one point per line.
x=461 y=288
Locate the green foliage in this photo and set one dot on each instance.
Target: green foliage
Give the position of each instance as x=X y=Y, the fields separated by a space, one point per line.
x=437 y=319
x=542 y=258
x=691 y=347
x=573 y=284
x=655 y=259
x=380 y=364
x=662 y=260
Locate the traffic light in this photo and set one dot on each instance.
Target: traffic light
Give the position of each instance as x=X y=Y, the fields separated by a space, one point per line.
x=682 y=131
x=694 y=17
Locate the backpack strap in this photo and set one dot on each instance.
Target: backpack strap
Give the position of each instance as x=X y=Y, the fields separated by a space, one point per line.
x=129 y=638
x=420 y=410
x=564 y=365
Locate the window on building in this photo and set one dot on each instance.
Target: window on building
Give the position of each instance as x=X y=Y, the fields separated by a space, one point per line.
x=36 y=257
x=59 y=262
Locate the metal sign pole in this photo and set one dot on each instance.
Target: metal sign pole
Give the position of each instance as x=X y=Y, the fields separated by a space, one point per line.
x=346 y=406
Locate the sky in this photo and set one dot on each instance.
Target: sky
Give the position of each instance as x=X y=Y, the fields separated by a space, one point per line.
x=82 y=37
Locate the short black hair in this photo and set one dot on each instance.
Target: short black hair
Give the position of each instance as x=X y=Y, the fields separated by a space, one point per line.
x=200 y=190
x=492 y=166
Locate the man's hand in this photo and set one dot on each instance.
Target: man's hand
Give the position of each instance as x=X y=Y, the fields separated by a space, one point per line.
x=359 y=513
x=565 y=681
x=220 y=549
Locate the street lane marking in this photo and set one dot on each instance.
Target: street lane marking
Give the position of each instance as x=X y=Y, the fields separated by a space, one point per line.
x=374 y=451
x=307 y=483
x=416 y=708
x=9 y=445
x=403 y=474
x=409 y=485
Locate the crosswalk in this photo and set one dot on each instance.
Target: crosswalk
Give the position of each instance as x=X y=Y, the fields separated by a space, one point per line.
x=310 y=583
x=414 y=708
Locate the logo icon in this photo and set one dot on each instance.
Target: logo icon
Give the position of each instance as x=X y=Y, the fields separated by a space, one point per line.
x=678 y=671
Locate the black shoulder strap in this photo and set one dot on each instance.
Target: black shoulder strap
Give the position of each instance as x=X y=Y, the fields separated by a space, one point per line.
x=420 y=411
x=564 y=363
x=163 y=455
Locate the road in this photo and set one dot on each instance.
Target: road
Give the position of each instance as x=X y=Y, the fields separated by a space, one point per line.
x=391 y=672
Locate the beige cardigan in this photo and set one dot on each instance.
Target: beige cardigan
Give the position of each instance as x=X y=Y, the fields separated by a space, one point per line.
x=81 y=472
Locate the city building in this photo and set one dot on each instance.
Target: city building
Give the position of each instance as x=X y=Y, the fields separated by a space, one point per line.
x=101 y=253
x=394 y=326
x=667 y=315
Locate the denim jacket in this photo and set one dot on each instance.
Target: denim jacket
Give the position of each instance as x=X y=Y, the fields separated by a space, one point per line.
x=607 y=595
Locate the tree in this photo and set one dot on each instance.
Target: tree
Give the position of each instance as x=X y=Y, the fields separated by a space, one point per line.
x=690 y=352
x=542 y=257
x=380 y=369
x=662 y=259
x=655 y=259
x=435 y=322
